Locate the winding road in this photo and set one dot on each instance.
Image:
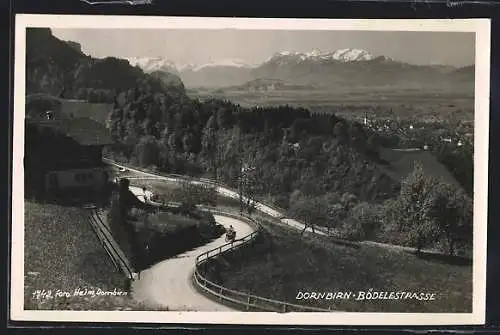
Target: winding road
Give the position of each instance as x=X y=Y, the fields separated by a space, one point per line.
x=168 y=284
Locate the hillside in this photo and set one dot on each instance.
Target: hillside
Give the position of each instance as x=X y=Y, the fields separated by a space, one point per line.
x=401 y=163
x=37 y=104
x=59 y=68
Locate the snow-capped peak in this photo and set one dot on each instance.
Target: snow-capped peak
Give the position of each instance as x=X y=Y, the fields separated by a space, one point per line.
x=224 y=63
x=351 y=55
x=341 y=55
x=151 y=64
x=313 y=53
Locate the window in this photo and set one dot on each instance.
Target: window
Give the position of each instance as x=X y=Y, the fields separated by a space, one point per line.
x=80 y=177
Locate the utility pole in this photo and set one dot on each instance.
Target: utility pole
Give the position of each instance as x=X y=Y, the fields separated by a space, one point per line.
x=241 y=171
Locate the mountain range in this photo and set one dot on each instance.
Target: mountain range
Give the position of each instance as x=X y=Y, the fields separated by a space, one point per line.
x=61 y=68
x=344 y=67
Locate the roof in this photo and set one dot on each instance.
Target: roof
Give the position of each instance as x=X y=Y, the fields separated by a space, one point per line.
x=42 y=96
x=82 y=130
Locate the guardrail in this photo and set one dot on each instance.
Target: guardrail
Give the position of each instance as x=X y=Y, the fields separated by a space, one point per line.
x=111 y=247
x=245 y=301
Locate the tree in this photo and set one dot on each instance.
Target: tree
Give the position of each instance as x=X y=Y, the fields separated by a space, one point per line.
x=365 y=220
x=454 y=212
x=412 y=211
x=210 y=144
x=147 y=151
x=340 y=131
x=115 y=124
x=187 y=142
x=250 y=188
x=310 y=211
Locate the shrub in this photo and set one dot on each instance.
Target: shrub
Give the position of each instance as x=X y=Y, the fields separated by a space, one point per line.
x=365 y=220
x=352 y=229
x=195 y=194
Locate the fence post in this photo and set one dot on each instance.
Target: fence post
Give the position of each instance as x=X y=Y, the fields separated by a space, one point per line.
x=220 y=293
x=284 y=308
x=248 y=302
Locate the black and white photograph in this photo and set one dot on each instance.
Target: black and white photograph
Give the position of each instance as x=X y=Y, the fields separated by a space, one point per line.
x=250 y=171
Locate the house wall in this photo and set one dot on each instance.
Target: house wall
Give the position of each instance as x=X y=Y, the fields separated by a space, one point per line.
x=94 y=178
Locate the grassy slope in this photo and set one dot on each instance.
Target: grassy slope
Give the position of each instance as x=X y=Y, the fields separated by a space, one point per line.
x=315 y=264
x=96 y=111
x=402 y=164
x=61 y=247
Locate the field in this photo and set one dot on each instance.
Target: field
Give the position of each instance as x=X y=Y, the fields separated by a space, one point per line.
x=315 y=264
x=325 y=100
x=62 y=253
x=72 y=108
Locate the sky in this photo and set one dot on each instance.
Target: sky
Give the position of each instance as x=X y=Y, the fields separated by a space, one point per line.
x=196 y=46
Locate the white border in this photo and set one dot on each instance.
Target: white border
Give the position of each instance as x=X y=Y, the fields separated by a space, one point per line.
x=482 y=88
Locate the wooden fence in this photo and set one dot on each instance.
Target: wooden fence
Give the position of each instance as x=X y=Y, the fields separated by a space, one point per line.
x=244 y=301
x=111 y=247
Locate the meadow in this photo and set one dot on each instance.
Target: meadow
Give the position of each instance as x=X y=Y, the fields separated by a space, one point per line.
x=62 y=253
x=310 y=263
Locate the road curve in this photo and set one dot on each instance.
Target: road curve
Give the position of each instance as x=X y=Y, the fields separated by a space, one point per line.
x=169 y=283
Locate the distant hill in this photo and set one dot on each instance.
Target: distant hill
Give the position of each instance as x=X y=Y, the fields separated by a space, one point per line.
x=267 y=84
x=169 y=80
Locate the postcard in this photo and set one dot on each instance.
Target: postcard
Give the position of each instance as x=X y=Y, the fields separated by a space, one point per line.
x=250 y=171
